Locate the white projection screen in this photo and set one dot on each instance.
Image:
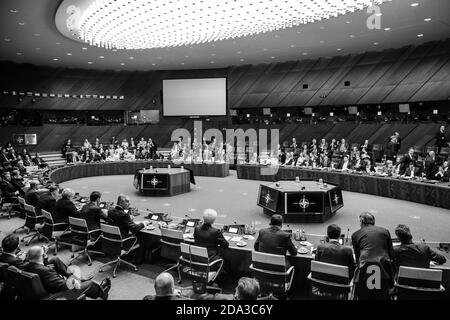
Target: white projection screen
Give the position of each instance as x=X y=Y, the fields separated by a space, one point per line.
x=195 y=97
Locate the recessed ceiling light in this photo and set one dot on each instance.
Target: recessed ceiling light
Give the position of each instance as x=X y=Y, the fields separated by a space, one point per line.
x=131 y=58
x=21 y=23
x=58 y=43
x=7 y=39
x=376 y=43
x=13 y=10
x=68 y=53
x=153 y=64
x=38 y=49
x=420 y=35
x=114 y=50
x=379 y=14
x=186 y=56
x=339 y=49
x=352 y=36
x=211 y=62
x=272 y=57
x=321 y=41
x=292 y=46
x=122 y=64
x=213 y=54
x=84 y=48
x=265 y=49
x=37 y=34
x=19 y=53
x=182 y=63
x=239 y=52
x=348 y=22
x=89 y=62
x=299 y=32
x=415 y=4
x=387 y=29
x=102 y=57
x=427 y=19
x=55 y=59
x=241 y=59
x=321 y=28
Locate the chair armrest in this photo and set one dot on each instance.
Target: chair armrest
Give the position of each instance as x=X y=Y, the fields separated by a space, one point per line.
x=60 y=224
x=331 y=284
x=216 y=261
x=277 y=273
x=132 y=237
x=95 y=230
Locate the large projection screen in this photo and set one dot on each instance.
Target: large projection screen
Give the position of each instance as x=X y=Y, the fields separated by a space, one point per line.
x=195 y=97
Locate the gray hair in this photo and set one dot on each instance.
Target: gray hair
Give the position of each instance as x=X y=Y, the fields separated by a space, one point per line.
x=209 y=216
x=164 y=284
x=68 y=193
x=35 y=254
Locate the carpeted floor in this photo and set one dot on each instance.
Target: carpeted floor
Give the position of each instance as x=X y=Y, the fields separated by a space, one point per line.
x=235 y=201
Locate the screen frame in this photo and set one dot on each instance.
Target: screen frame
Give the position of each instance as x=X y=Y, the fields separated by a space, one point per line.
x=192 y=115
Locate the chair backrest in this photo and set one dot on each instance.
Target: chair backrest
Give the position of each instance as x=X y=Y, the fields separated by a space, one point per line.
x=79 y=231
x=170 y=243
x=21 y=202
x=270 y=271
x=418 y=277
x=48 y=228
x=31 y=217
x=329 y=272
x=3 y=267
x=111 y=240
x=195 y=262
x=27 y=285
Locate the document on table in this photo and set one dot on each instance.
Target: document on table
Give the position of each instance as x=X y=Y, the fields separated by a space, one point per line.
x=227 y=238
x=236 y=238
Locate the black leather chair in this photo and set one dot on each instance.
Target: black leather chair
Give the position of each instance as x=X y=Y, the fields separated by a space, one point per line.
x=81 y=237
x=170 y=248
x=419 y=284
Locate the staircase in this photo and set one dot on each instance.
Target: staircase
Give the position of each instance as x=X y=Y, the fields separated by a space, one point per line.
x=53 y=158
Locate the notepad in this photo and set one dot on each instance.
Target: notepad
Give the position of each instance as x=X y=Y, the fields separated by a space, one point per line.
x=227 y=238
x=236 y=238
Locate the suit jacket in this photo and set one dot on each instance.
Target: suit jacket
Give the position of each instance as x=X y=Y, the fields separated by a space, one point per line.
x=333 y=252
x=404 y=162
x=416 y=256
x=31 y=197
x=93 y=214
x=349 y=165
x=12 y=260
x=430 y=167
x=441 y=139
x=8 y=189
x=64 y=208
x=273 y=240
x=373 y=244
x=51 y=280
x=446 y=176
x=211 y=238
x=408 y=172
x=46 y=202
x=121 y=219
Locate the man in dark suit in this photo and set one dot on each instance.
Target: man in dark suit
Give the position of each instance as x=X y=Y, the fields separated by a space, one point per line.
x=441 y=139
x=373 y=246
x=65 y=208
x=47 y=200
x=55 y=282
x=345 y=164
x=10 y=255
x=273 y=240
x=430 y=165
x=446 y=169
x=120 y=217
x=92 y=213
x=31 y=196
x=405 y=160
x=412 y=171
x=164 y=289
x=209 y=237
x=8 y=189
x=335 y=253
x=410 y=254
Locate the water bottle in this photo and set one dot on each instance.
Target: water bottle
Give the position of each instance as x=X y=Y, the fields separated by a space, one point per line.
x=182 y=168
x=168 y=167
x=297 y=179
x=297 y=235
x=303 y=236
x=151 y=167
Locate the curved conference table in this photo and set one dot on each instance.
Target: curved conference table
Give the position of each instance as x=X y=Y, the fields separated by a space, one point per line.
x=237 y=259
x=83 y=170
x=429 y=193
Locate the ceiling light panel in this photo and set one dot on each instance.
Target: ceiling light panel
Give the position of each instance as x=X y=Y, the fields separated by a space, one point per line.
x=143 y=24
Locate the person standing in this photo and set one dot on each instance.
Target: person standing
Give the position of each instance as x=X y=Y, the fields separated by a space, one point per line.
x=441 y=139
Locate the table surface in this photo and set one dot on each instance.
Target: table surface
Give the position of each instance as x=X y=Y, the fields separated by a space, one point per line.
x=295 y=186
x=170 y=171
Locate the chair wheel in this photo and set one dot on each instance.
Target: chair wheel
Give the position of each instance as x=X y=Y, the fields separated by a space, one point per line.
x=27 y=244
x=23 y=240
x=72 y=255
x=90 y=264
x=100 y=270
x=114 y=275
x=179 y=281
x=14 y=231
x=135 y=269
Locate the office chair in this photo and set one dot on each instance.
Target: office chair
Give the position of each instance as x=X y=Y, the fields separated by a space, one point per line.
x=330 y=281
x=170 y=248
x=418 y=284
x=28 y=286
x=80 y=236
x=50 y=231
x=272 y=273
x=31 y=220
x=113 y=244
x=194 y=261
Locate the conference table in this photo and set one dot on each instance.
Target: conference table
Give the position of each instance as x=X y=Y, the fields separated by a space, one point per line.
x=83 y=170
x=237 y=259
x=162 y=181
x=425 y=192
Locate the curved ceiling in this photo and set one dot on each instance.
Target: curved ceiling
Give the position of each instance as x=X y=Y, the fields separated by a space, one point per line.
x=28 y=35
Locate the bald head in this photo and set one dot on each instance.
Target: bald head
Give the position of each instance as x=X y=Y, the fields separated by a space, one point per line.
x=164 y=284
x=209 y=216
x=35 y=254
